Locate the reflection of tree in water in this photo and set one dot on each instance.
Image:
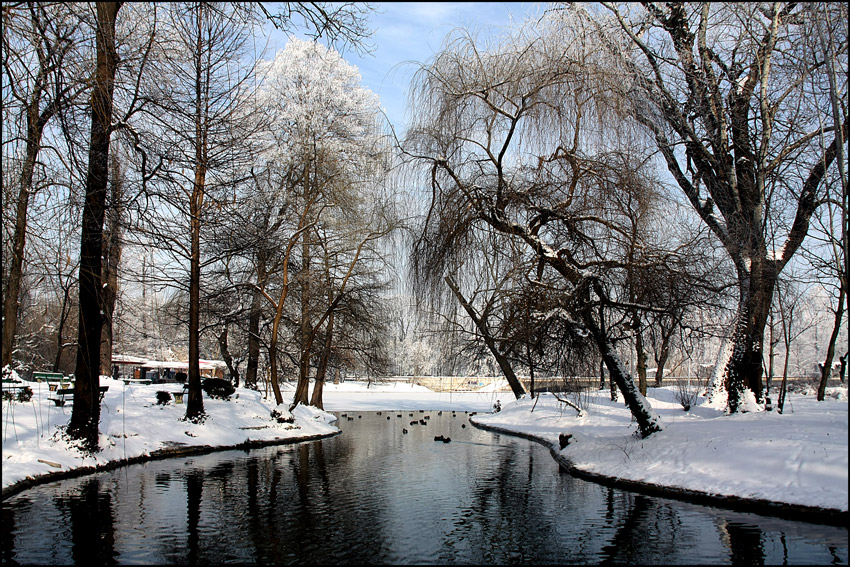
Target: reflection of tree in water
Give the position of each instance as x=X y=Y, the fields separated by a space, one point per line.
x=642 y=519
x=744 y=541
x=7 y=537
x=194 y=491
x=92 y=524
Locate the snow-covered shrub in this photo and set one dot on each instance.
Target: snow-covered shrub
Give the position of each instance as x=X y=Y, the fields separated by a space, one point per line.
x=218 y=388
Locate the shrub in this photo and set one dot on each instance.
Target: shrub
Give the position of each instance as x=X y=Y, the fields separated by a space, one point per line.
x=163 y=398
x=218 y=388
x=25 y=394
x=687 y=392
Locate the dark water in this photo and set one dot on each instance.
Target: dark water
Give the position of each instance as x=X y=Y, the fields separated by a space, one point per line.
x=377 y=495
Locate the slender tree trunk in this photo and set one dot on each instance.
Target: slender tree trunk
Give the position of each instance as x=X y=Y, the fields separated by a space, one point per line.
x=13 y=284
x=830 y=350
x=661 y=362
x=65 y=311
x=647 y=420
x=640 y=351
x=321 y=371
x=35 y=128
x=301 y=390
x=195 y=402
x=228 y=360
x=195 y=398
x=86 y=410
x=504 y=363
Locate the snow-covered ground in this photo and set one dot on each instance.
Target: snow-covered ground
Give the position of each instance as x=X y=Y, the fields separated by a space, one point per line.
x=799 y=457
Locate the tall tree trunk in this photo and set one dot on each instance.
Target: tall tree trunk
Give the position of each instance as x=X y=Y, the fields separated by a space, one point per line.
x=16 y=262
x=504 y=363
x=37 y=118
x=112 y=247
x=830 y=350
x=302 y=388
x=253 y=342
x=195 y=401
x=86 y=410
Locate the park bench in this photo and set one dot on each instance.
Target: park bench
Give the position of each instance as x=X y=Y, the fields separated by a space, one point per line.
x=63 y=394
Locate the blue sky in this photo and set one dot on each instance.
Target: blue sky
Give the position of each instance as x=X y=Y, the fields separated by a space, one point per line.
x=414 y=31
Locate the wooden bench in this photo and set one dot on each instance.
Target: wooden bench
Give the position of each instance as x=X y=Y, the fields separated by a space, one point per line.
x=65 y=393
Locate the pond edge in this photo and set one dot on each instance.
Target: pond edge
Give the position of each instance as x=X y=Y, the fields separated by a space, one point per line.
x=157 y=455
x=784 y=510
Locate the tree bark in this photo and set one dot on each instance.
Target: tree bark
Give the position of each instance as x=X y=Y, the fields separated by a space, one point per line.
x=744 y=369
x=64 y=312
x=302 y=388
x=86 y=410
x=660 y=363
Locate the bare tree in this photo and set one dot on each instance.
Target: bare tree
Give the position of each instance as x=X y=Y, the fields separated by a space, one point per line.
x=734 y=99
x=86 y=411
x=37 y=41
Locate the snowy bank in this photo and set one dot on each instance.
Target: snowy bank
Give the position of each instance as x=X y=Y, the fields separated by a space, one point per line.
x=797 y=458
x=134 y=427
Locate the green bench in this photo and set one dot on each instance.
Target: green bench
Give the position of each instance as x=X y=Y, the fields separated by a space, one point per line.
x=48 y=376
x=62 y=394
x=54 y=380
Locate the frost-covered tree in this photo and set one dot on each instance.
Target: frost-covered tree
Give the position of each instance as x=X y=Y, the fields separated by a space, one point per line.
x=325 y=160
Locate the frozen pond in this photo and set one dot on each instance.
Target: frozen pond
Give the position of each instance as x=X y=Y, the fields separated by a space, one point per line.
x=378 y=495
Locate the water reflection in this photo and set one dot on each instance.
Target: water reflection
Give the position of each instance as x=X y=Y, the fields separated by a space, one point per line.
x=88 y=516
x=377 y=495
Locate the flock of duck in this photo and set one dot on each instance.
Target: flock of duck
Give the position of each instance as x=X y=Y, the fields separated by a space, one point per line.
x=423 y=421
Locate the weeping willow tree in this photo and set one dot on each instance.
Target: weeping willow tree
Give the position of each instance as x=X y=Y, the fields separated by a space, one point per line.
x=523 y=138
